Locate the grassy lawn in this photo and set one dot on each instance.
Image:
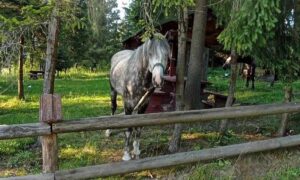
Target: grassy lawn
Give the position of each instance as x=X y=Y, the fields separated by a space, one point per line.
x=86 y=94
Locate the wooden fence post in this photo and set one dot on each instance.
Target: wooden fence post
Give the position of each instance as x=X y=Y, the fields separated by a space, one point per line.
x=50 y=112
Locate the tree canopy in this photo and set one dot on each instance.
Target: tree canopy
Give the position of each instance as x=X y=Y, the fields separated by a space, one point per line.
x=266 y=30
x=88 y=33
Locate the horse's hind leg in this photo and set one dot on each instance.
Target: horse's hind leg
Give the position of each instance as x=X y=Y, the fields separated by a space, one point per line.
x=253 y=82
x=113 y=99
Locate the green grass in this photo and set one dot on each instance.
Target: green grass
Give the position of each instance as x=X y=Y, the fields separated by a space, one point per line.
x=86 y=94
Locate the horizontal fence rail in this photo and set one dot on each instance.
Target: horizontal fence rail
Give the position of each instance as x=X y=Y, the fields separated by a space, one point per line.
x=24 y=130
x=205 y=155
x=124 y=121
x=45 y=176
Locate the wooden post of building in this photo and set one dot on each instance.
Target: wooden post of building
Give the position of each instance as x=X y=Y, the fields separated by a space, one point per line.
x=50 y=112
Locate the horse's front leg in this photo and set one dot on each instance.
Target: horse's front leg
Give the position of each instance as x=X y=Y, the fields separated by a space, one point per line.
x=126 y=156
x=136 y=143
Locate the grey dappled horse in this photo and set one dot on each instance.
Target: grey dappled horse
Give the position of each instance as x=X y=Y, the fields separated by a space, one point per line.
x=132 y=75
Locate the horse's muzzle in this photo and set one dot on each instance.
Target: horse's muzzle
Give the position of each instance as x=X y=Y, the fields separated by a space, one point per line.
x=157 y=82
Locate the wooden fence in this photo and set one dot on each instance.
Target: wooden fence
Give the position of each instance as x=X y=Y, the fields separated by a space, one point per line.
x=51 y=125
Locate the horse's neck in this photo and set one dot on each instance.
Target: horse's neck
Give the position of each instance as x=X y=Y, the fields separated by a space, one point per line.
x=139 y=62
x=138 y=70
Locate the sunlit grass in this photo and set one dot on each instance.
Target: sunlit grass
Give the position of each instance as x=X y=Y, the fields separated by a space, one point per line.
x=87 y=92
x=263 y=93
x=20 y=171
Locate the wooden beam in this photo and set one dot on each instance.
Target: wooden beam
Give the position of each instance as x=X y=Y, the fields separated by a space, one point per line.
x=49 y=176
x=177 y=159
x=24 y=130
x=123 y=121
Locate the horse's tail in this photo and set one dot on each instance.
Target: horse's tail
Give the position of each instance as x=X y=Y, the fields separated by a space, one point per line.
x=113 y=99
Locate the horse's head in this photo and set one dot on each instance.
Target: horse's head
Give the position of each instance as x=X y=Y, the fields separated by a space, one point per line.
x=227 y=63
x=158 y=53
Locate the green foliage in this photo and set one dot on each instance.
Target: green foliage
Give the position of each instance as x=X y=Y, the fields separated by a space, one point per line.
x=22 y=18
x=170 y=5
x=250 y=26
x=145 y=16
x=79 y=43
x=104 y=37
x=265 y=30
x=130 y=25
x=283 y=51
x=32 y=16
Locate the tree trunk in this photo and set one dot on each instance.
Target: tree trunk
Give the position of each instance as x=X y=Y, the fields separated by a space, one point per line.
x=193 y=84
x=51 y=54
x=231 y=90
x=180 y=72
x=21 y=68
x=204 y=64
x=288 y=93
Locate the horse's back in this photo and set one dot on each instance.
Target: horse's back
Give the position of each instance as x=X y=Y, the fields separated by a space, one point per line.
x=120 y=56
x=119 y=63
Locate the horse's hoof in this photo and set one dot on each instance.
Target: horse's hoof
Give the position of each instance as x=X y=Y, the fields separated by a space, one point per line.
x=108 y=133
x=126 y=156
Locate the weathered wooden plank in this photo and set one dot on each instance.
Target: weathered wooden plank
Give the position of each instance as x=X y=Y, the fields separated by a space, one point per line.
x=49 y=176
x=24 y=130
x=49 y=153
x=122 y=121
x=177 y=159
x=50 y=108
